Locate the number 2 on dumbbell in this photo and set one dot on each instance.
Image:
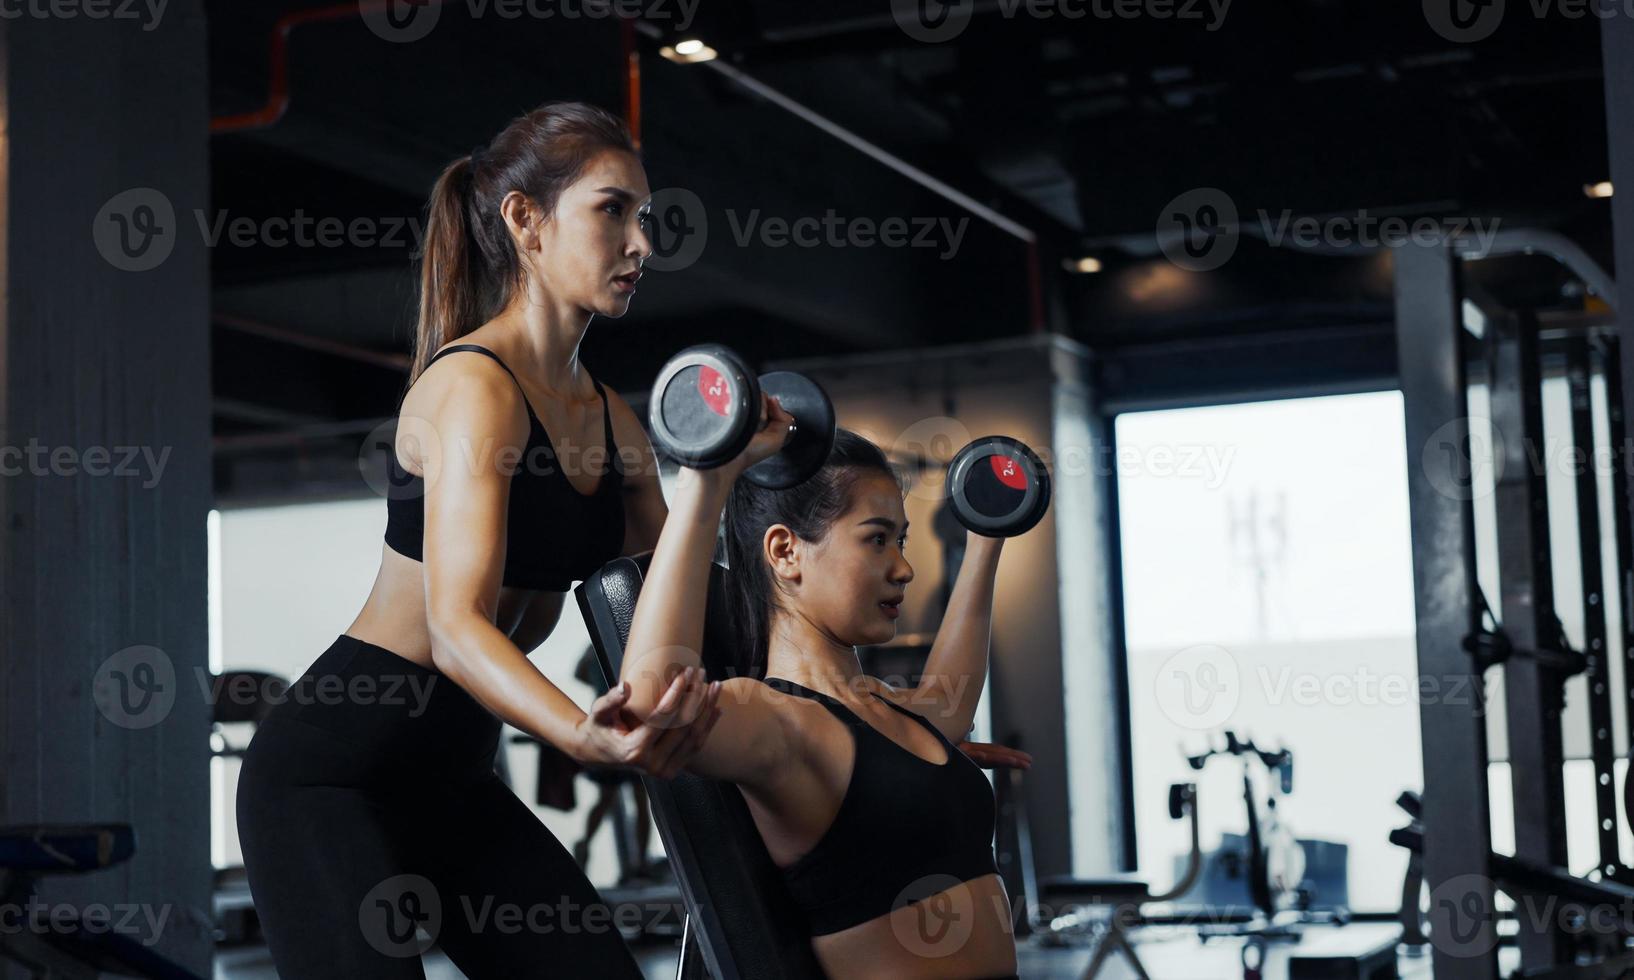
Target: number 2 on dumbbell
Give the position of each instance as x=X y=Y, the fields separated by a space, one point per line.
x=705 y=407
x=998 y=487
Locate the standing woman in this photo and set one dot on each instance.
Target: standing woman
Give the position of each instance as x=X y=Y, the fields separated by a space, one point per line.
x=368 y=803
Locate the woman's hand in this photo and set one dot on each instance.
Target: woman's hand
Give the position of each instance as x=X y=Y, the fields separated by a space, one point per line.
x=996 y=756
x=661 y=746
x=775 y=429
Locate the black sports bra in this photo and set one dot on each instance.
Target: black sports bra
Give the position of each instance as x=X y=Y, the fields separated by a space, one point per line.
x=554 y=535
x=906 y=829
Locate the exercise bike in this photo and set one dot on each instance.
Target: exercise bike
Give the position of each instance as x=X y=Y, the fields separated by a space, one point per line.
x=1276 y=863
x=1275 y=859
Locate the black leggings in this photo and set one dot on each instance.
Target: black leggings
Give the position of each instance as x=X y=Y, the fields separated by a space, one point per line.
x=373 y=823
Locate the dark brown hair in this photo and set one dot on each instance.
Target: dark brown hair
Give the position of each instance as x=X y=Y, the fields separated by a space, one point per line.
x=468 y=264
x=809 y=509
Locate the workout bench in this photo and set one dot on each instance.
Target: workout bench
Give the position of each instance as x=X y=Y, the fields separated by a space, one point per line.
x=741 y=922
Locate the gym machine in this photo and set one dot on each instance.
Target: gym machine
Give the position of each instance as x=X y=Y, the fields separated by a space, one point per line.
x=1451 y=333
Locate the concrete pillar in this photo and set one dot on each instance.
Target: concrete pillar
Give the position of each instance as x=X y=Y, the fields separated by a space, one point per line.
x=105 y=429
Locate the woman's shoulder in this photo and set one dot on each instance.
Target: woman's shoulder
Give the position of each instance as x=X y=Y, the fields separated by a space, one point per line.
x=798 y=718
x=450 y=378
x=463 y=397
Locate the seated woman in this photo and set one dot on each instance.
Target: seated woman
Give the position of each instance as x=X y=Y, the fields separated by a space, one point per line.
x=882 y=827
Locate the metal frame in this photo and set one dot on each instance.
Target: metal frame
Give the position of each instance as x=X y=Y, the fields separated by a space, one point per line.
x=1579 y=372
x=1431 y=308
x=1534 y=694
x=1616 y=431
x=1457 y=818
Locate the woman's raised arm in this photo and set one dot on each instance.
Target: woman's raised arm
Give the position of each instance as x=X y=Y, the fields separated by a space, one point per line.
x=666 y=634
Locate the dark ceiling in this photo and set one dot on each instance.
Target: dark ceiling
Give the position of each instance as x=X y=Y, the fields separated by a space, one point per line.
x=1079 y=129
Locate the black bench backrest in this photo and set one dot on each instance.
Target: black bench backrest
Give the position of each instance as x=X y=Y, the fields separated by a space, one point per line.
x=747 y=925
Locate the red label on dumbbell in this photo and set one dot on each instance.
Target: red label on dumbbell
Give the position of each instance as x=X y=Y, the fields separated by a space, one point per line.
x=715 y=390
x=1009 y=472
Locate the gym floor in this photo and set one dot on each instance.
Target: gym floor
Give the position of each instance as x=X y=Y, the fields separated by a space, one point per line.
x=1169 y=954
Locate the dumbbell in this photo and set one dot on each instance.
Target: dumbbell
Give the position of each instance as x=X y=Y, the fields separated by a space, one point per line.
x=705 y=408
x=998 y=487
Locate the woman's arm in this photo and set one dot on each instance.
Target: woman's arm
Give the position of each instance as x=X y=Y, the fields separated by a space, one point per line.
x=467 y=485
x=644 y=507
x=956 y=668
x=666 y=633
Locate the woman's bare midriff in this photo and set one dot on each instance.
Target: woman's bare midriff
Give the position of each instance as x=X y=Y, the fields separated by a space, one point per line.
x=394 y=616
x=963 y=933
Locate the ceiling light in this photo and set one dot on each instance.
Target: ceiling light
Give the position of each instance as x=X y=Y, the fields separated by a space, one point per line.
x=690 y=51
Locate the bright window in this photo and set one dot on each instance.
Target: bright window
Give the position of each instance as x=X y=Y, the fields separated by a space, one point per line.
x=1268 y=574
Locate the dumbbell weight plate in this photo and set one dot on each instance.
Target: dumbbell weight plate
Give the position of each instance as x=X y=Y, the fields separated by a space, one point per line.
x=998 y=487
x=704 y=407
x=813 y=437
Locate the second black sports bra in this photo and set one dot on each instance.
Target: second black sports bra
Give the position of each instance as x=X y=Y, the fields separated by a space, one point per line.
x=906 y=829
x=554 y=535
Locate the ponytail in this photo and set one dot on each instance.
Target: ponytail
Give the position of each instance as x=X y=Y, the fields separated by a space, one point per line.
x=448 y=294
